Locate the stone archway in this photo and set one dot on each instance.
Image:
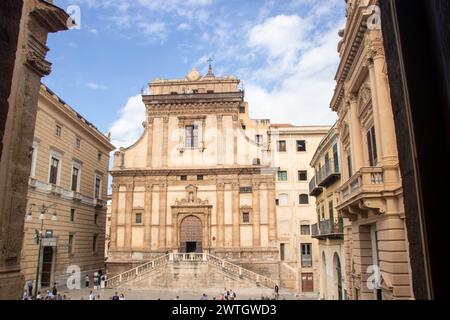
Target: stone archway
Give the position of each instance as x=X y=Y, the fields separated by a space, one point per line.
x=191 y=235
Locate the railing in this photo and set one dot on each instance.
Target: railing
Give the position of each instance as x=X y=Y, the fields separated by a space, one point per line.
x=367 y=178
x=327 y=228
x=327 y=173
x=314 y=189
x=189 y=258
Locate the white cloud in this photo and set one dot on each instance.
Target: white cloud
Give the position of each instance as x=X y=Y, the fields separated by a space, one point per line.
x=184 y=26
x=156 y=30
x=96 y=86
x=128 y=127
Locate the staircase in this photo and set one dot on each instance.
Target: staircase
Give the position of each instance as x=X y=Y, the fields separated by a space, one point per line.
x=227 y=267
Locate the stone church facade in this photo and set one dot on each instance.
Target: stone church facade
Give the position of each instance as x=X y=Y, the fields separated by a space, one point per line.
x=201 y=178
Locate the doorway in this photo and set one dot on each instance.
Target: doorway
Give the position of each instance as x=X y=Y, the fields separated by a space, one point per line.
x=47 y=263
x=307 y=282
x=191 y=234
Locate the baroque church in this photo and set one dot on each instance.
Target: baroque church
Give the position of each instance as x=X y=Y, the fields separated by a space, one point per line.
x=200 y=179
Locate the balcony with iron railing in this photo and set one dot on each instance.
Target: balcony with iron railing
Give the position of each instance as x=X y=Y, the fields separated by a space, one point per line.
x=328 y=174
x=328 y=229
x=314 y=189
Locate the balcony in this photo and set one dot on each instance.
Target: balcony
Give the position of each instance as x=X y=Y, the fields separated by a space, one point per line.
x=328 y=174
x=314 y=189
x=328 y=229
x=366 y=190
x=76 y=196
x=55 y=189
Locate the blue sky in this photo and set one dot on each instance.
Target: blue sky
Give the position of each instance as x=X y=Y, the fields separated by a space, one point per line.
x=283 y=51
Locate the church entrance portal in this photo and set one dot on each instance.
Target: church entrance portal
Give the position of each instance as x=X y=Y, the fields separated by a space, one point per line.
x=191 y=235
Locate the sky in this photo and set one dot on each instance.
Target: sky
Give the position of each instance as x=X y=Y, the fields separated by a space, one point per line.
x=283 y=51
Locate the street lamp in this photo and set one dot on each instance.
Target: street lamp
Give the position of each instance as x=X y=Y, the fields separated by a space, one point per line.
x=42 y=211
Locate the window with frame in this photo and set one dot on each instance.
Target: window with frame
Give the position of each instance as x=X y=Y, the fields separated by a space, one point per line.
x=191 y=136
x=183 y=178
x=306 y=255
x=331 y=210
x=305 y=230
x=75 y=178
x=54 y=167
x=99 y=156
x=138 y=218
x=72 y=215
x=302 y=175
x=282 y=175
x=241 y=109
x=281 y=145
x=336 y=158
x=245 y=217
x=200 y=177
x=301 y=145
x=303 y=198
x=283 y=199
x=372 y=147
x=58 y=130
x=49 y=233
x=77 y=142
x=247 y=189
x=98 y=183
x=349 y=164
x=70 y=244
x=259 y=139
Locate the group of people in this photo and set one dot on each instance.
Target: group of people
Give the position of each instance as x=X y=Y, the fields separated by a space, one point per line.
x=228 y=295
x=50 y=294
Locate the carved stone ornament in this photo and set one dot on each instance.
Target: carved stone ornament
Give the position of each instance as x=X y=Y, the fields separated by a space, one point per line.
x=193 y=75
x=38 y=64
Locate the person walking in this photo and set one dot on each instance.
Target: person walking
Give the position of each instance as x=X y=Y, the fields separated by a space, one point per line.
x=29 y=285
x=86 y=279
x=91 y=296
x=122 y=297
x=277 y=289
x=115 y=297
x=54 y=289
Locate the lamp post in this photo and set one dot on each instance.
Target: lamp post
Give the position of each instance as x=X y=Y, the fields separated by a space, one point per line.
x=42 y=211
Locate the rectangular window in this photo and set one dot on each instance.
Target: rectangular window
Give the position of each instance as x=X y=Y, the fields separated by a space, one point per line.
x=183 y=178
x=138 y=218
x=95 y=218
x=77 y=142
x=98 y=182
x=303 y=199
x=241 y=109
x=283 y=199
x=305 y=230
x=277 y=202
x=336 y=158
x=70 y=244
x=259 y=139
x=75 y=174
x=349 y=165
x=94 y=244
x=327 y=165
x=191 y=136
x=303 y=175
x=306 y=255
x=245 y=189
x=54 y=166
x=99 y=156
x=245 y=217
x=282 y=175
x=58 y=131
x=72 y=215
x=49 y=233
x=331 y=211
x=281 y=146
x=200 y=177
x=301 y=145
x=372 y=146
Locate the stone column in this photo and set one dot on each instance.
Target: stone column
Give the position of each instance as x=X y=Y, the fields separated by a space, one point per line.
x=128 y=214
x=272 y=214
x=220 y=140
x=114 y=216
x=220 y=216
x=148 y=217
x=162 y=214
x=236 y=233
x=356 y=140
x=149 y=142
x=165 y=141
x=383 y=107
x=256 y=217
x=235 y=139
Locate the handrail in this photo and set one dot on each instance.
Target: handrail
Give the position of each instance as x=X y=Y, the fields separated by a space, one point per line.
x=190 y=257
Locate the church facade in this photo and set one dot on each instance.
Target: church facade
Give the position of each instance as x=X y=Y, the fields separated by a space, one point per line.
x=201 y=178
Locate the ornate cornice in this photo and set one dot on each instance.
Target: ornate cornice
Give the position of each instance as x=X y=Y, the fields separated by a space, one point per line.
x=195 y=171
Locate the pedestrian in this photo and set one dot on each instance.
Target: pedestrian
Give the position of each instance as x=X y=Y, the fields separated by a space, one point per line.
x=232 y=294
x=115 y=296
x=277 y=289
x=54 y=290
x=204 y=297
x=91 y=296
x=29 y=285
x=25 y=295
x=122 y=297
x=221 y=298
x=86 y=279
x=38 y=296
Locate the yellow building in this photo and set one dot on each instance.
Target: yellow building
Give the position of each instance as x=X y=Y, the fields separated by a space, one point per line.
x=69 y=178
x=329 y=227
x=371 y=195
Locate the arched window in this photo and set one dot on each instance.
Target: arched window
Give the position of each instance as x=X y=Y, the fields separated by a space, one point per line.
x=303 y=199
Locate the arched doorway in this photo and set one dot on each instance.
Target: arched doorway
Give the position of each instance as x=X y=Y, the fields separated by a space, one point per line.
x=337 y=275
x=191 y=235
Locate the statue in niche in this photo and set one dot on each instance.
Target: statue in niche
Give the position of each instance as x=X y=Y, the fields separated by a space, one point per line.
x=191 y=197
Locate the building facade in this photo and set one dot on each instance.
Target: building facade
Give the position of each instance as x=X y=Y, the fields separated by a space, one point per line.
x=204 y=177
x=24 y=26
x=292 y=150
x=371 y=194
x=69 y=177
x=329 y=227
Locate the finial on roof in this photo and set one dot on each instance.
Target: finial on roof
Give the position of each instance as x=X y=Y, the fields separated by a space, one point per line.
x=210 y=73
